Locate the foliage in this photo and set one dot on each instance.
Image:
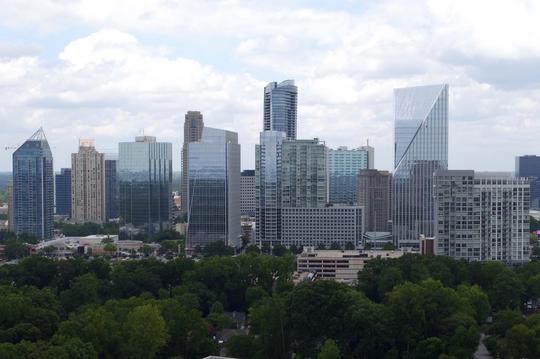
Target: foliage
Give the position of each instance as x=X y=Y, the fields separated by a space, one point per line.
x=411 y=307
x=217 y=248
x=329 y=350
x=243 y=347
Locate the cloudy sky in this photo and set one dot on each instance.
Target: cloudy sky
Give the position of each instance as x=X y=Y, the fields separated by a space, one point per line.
x=109 y=69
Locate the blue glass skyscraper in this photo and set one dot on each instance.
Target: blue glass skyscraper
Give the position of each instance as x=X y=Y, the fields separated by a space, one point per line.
x=280 y=102
x=63 y=192
x=111 y=187
x=214 y=189
x=420 y=148
x=343 y=167
x=33 y=187
x=529 y=166
x=145 y=185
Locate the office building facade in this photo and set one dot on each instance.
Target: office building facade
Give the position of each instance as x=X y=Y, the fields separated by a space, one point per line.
x=375 y=195
x=268 y=187
x=88 y=184
x=63 y=192
x=247 y=193
x=145 y=186
x=304 y=174
x=420 y=148
x=214 y=189
x=322 y=226
x=280 y=107
x=33 y=187
x=529 y=167
x=481 y=216
x=111 y=187
x=343 y=167
x=11 y=210
x=193 y=127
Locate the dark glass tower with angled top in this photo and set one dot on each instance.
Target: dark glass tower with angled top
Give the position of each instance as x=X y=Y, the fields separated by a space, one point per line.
x=420 y=148
x=33 y=187
x=280 y=102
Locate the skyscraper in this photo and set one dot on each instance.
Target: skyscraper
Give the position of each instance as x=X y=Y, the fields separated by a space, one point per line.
x=374 y=194
x=481 y=216
x=88 y=184
x=268 y=187
x=529 y=167
x=63 y=192
x=420 y=148
x=343 y=167
x=11 y=211
x=214 y=189
x=304 y=174
x=280 y=102
x=33 y=187
x=145 y=185
x=247 y=193
x=193 y=126
x=111 y=186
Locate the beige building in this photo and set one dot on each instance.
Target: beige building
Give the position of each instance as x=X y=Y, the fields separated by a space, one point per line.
x=339 y=265
x=88 y=184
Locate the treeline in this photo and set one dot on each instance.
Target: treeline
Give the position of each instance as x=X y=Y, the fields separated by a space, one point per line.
x=411 y=307
x=138 y=309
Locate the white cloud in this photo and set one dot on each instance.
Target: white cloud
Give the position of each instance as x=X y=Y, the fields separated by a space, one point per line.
x=144 y=63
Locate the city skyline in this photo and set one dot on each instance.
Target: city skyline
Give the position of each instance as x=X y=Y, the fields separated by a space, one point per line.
x=95 y=73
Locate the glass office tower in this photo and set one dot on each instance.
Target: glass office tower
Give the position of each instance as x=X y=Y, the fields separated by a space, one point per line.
x=528 y=166
x=33 y=187
x=280 y=102
x=214 y=189
x=63 y=192
x=420 y=148
x=343 y=167
x=111 y=186
x=268 y=187
x=145 y=186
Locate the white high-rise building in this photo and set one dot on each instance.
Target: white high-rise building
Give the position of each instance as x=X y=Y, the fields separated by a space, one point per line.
x=481 y=216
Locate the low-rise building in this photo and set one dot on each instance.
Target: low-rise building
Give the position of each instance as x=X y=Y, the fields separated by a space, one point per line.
x=339 y=265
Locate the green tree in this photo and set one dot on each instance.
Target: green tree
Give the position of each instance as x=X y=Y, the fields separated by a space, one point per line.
x=335 y=246
x=388 y=279
x=217 y=248
x=279 y=250
x=84 y=290
x=145 y=331
x=520 y=341
x=268 y=319
x=429 y=348
x=506 y=291
x=243 y=347
x=349 y=246
x=15 y=249
x=477 y=298
x=329 y=350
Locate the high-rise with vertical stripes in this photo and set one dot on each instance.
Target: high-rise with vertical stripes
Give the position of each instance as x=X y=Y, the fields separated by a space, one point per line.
x=33 y=187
